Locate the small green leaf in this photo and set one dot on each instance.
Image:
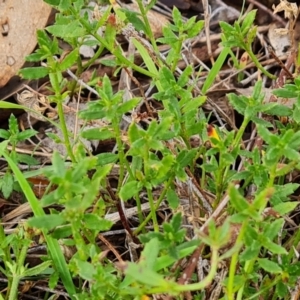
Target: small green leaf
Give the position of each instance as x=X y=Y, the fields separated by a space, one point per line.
x=239 y=103
x=237 y=200
x=134 y=19
x=285 y=93
x=265 y=134
x=4 y=134
x=285 y=207
x=135 y=133
x=13 y=125
x=34 y=73
x=248 y=21
x=108 y=62
x=279 y=110
x=128 y=105
x=58 y=164
x=27 y=159
x=107 y=88
x=251 y=252
x=185 y=76
x=7 y=184
x=196 y=29
x=92 y=113
x=296 y=114
x=292 y=154
x=107 y=158
x=146 y=57
x=47 y=222
x=53 y=280
x=177 y=17
x=172 y=199
x=44 y=41
x=183 y=250
x=85 y=269
x=295 y=140
x=194 y=104
x=94 y=222
x=26 y=134
x=99 y=134
x=269 y=266
x=149 y=254
x=176 y=222
x=281 y=289
x=144 y=275
x=66 y=31
x=169 y=36
x=69 y=60
x=37 y=270
x=185 y=157
x=65 y=4
x=273 y=228
x=129 y=189
x=226 y=27
x=62 y=232
x=274 y=248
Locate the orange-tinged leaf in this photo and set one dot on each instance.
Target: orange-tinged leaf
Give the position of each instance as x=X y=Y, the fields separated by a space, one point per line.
x=212 y=134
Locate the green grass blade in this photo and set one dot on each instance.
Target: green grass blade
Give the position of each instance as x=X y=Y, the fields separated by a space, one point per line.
x=8 y=105
x=215 y=70
x=146 y=56
x=53 y=246
x=148 y=61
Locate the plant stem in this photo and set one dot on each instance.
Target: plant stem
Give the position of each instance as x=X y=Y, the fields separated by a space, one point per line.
x=22 y=256
x=64 y=129
x=159 y=201
x=208 y=279
x=233 y=263
x=14 y=287
x=267 y=288
x=121 y=154
x=257 y=63
x=17 y=277
x=173 y=287
x=147 y=24
x=220 y=178
x=152 y=210
x=177 y=54
x=136 y=197
x=7 y=255
x=94 y=58
x=235 y=144
x=55 y=79
x=248 y=269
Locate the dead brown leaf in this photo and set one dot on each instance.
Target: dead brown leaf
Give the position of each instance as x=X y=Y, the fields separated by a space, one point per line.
x=19 y=20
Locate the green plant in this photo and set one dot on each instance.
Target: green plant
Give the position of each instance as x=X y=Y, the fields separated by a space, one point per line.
x=13 y=135
x=242 y=35
x=13 y=251
x=291 y=90
x=157 y=161
x=53 y=246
